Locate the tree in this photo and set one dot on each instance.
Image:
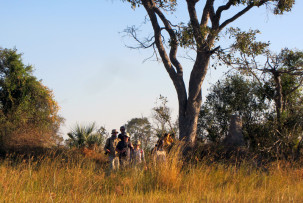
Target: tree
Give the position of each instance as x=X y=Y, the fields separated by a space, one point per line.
x=199 y=35
x=29 y=113
x=280 y=79
x=234 y=95
x=247 y=98
x=162 y=117
x=140 y=129
x=282 y=74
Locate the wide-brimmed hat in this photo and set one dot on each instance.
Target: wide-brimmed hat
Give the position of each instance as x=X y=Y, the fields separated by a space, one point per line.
x=137 y=142
x=127 y=135
x=114 y=131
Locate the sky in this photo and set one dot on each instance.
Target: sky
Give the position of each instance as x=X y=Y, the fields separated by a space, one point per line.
x=78 y=50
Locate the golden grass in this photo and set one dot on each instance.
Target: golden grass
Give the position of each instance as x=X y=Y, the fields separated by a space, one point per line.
x=82 y=180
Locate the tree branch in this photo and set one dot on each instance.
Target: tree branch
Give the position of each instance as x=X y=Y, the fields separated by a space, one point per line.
x=223 y=8
x=295 y=88
x=132 y=31
x=177 y=78
x=239 y=14
x=194 y=22
x=173 y=43
x=208 y=12
x=235 y=17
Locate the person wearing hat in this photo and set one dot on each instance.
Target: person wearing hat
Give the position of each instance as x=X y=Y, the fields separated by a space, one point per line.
x=137 y=154
x=123 y=148
x=110 y=149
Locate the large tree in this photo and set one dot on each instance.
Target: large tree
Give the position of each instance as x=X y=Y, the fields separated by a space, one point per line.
x=28 y=111
x=199 y=35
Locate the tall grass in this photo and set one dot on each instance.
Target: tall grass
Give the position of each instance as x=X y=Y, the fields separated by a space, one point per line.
x=79 y=179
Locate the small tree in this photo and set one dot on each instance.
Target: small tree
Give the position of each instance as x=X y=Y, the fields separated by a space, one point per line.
x=162 y=117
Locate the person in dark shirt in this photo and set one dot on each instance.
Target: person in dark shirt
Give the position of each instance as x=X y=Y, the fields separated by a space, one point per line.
x=123 y=148
x=123 y=132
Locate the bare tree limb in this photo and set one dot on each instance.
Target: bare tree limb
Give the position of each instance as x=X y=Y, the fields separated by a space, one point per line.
x=208 y=12
x=194 y=22
x=173 y=43
x=239 y=14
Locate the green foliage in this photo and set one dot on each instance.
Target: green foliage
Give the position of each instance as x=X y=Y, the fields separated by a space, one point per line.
x=86 y=136
x=27 y=107
x=283 y=6
x=186 y=35
x=277 y=127
x=162 y=117
x=140 y=129
x=245 y=42
x=234 y=95
x=291 y=59
x=279 y=6
x=207 y=19
x=168 y=5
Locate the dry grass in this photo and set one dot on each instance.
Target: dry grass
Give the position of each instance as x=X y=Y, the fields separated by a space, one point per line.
x=80 y=179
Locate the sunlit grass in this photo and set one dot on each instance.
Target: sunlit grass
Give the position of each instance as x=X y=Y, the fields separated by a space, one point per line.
x=79 y=179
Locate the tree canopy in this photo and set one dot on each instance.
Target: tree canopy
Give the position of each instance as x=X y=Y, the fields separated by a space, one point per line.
x=29 y=113
x=235 y=95
x=254 y=100
x=201 y=35
x=140 y=129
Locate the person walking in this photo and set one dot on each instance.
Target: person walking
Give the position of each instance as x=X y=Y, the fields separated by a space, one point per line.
x=123 y=132
x=123 y=148
x=137 y=155
x=110 y=150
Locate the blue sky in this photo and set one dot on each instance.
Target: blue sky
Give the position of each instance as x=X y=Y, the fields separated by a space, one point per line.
x=79 y=52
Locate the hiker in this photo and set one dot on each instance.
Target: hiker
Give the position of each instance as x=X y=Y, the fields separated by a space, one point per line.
x=123 y=148
x=123 y=132
x=137 y=154
x=159 y=154
x=110 y=150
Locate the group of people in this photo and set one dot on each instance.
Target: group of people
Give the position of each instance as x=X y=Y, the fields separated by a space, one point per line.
x=121 y=151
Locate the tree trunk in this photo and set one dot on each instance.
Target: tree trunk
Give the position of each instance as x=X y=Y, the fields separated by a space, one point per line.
x=189 y=112
x=188 y=123
x=189 y=103
x=278 y=98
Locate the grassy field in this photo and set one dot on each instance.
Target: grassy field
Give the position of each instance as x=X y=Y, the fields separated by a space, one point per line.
x=79 y=179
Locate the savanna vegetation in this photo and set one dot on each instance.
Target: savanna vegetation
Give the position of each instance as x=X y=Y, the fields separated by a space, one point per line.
x=199 y=33
x=74 y=178
x=264 y=89
x=268 y=168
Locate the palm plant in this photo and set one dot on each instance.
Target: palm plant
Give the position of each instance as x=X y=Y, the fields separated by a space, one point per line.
x=84 y=136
